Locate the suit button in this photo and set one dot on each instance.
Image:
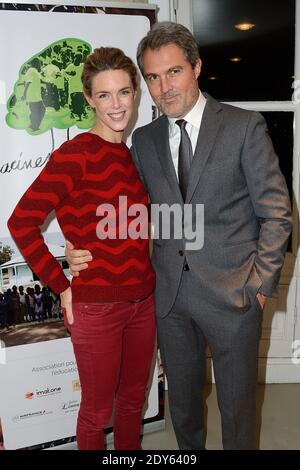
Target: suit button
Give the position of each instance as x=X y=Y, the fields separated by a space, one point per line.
x=181 y=252
x=186 y=267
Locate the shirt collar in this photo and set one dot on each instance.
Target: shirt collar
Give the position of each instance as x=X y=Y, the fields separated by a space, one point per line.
x=194 y=116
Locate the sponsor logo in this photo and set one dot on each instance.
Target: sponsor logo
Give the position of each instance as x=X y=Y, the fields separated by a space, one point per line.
x=48 y=391
x=76 y=387
x=34 y=414
x=69 y=406
x=43 y=393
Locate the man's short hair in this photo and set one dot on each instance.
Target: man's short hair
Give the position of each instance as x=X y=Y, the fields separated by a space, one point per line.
x=167 y=32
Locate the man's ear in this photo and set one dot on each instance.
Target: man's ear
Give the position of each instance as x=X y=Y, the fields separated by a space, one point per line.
x=197 y=68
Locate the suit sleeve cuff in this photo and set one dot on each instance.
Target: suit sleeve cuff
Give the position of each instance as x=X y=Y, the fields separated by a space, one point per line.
x=266 y=293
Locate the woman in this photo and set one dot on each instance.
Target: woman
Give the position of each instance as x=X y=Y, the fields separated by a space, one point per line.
x=109 y=308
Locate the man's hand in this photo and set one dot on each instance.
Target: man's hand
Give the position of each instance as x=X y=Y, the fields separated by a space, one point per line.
x=77 y=259
x=261 y=299
x=66 y=303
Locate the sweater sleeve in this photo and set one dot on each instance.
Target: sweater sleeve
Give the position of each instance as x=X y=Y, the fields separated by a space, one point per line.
x=63 y=171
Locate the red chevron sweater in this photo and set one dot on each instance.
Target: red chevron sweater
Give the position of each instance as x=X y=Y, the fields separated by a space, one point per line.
x=82 y=174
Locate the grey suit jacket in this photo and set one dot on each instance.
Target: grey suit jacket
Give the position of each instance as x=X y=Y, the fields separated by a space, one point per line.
x=247 y=215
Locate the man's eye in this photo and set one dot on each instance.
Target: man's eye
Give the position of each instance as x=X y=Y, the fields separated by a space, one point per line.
x=174 y=72
x=152 y=78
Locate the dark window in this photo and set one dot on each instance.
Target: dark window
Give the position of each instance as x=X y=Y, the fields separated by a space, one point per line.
x=266 y=68
x=280 y=126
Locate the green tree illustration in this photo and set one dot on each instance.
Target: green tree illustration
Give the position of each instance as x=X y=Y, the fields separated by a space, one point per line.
x=48 y=93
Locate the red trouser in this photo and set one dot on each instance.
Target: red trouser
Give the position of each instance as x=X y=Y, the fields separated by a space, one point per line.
x=113 y=345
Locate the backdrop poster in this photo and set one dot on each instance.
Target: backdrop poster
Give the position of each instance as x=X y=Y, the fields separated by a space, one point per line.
x=40 y=394
x=46 y=46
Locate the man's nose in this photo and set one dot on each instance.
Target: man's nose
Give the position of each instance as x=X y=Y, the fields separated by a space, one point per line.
x=165 y=84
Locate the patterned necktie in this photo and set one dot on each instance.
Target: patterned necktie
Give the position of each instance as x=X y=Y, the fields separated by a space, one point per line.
x=185 y=156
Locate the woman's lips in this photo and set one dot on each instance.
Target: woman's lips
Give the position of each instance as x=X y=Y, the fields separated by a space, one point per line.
x=117 y=116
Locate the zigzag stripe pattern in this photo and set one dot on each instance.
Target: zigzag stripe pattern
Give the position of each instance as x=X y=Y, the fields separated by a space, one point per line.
x=104 y=282
x=108 y=276
x=114 y=190
x=80 y=176
x=117 y=167
x=78 y=211
x=97 y=248
x=117 y=269
x=97 y=167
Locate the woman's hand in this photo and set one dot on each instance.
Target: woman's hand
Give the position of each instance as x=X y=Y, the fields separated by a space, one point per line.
x=77 y=259
x=66 y=303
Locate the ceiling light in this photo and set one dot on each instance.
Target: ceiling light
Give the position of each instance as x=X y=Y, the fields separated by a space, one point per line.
x=212 y=78
x=235 y=59
x=244 y=26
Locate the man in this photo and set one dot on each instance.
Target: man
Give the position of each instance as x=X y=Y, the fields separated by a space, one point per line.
x=214 y=295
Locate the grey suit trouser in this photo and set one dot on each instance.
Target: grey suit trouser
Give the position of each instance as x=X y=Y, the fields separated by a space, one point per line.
x=233 y=339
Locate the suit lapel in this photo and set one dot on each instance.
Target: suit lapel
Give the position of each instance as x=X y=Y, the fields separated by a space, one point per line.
x=163 y=149
x=210 y=124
